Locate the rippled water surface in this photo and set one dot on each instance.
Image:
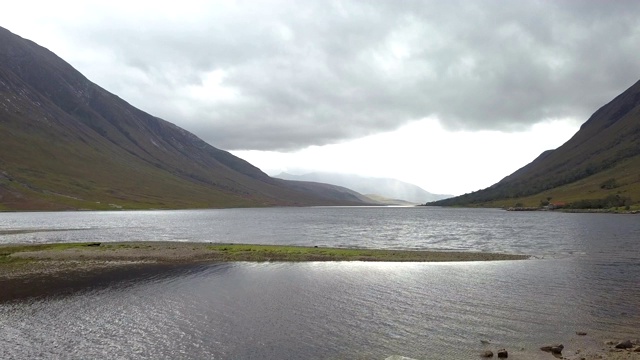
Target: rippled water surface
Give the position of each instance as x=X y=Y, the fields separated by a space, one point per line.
x=584 y=277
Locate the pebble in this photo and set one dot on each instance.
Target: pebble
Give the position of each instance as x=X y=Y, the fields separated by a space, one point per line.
x=554 y=349
x=624 y=345
x=487 y=354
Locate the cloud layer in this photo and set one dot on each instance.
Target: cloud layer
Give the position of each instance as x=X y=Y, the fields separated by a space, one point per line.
x=284 y=75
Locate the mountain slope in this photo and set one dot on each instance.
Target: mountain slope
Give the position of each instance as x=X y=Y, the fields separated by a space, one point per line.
x=336 y=191
x=387 y=188
x=596 y=163
x=67 y=143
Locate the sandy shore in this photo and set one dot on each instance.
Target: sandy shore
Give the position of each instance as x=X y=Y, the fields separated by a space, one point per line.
x=598 y=348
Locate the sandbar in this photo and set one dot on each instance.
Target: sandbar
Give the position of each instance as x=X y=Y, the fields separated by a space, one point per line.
x=32 y=270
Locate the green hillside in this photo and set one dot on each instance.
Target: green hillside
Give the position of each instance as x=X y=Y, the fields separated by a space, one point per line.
x=599 y=167
x=66 y=143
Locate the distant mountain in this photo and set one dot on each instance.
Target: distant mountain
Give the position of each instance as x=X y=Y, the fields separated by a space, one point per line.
x=386 y=201
x=599 y=167
x=334 y=191
x=383 y=187
x=66 y=143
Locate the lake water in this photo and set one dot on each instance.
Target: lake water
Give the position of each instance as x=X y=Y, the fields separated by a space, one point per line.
x=584 y=277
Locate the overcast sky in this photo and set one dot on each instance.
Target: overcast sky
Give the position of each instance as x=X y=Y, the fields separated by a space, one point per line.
x=449 y=95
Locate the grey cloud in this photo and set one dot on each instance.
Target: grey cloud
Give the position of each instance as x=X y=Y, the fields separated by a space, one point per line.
x=317 y=72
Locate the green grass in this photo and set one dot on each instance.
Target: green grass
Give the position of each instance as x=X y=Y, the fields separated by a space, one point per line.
x=292 y=252
x=242 y=252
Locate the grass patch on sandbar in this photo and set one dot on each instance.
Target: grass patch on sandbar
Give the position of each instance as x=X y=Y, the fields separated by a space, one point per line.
x=246 y=252
x=183 y=252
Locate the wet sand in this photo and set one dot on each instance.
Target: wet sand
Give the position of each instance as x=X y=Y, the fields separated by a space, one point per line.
x=52 y=279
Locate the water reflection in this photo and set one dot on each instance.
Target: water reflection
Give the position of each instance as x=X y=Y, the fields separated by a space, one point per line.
x=586 y=282
x=321 y=310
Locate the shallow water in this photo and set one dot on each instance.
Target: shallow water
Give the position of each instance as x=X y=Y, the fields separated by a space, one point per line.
x=584 y=278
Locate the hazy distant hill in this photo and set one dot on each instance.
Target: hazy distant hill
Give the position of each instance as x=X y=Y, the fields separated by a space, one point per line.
x=66 y=143
x=386 y=201
x=599 y=167
x=384 y=187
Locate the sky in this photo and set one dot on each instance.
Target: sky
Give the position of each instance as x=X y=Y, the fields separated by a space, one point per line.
x=448 y=95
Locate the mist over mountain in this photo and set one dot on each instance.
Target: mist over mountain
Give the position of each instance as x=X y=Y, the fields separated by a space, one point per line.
x=599 y=167
x=384 y=187
x=69 y=144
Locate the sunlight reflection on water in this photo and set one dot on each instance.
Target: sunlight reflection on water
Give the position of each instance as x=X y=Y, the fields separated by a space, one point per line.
x=320 y=310
x=338 y=310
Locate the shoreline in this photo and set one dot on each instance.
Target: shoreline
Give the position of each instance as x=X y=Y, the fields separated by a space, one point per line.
x=579 y=345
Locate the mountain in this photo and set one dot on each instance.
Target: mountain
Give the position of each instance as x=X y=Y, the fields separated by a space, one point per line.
x=599 y=167
x=334 y=191
x=387 y=201
x=69 y=144
x=378 y=187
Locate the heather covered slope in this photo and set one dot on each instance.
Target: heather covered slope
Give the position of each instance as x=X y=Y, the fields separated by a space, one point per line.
x=598 y=167
x=69 y=144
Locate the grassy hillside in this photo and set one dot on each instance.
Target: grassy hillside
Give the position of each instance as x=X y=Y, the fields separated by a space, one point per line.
x=69 y=144
x=622 y=181
x=597 y=167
